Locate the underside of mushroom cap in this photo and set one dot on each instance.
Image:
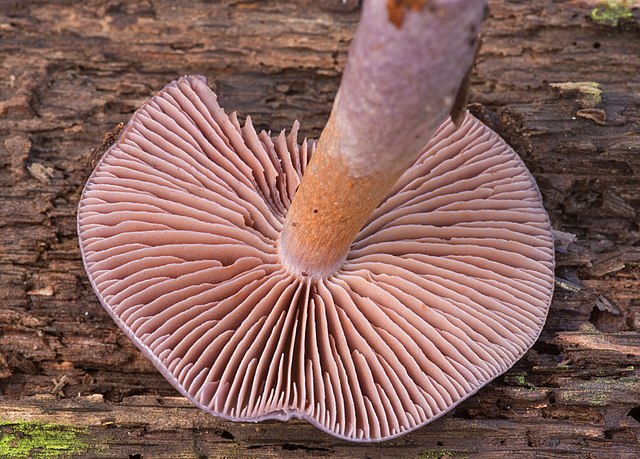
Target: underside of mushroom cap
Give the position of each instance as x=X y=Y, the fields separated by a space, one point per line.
x=444 y=289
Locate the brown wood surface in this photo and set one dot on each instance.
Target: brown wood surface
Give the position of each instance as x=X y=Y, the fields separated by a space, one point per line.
x=71 y=71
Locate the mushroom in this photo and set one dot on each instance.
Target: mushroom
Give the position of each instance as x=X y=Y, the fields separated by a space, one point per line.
x=367 y=285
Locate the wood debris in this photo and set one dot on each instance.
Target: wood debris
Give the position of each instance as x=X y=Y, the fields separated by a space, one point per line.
x=41 y=172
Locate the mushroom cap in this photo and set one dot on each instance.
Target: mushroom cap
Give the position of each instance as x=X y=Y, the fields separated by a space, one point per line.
x=445 y=288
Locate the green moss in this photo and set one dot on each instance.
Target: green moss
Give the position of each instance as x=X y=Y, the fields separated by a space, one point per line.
x=591 y=93
x=39 y=440
x=517 y=380
x=611 y=12
x=587 y=93
x=443 y=454
x=601 y=391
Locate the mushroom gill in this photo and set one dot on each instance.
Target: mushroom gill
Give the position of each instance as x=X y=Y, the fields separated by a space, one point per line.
x=445 y=287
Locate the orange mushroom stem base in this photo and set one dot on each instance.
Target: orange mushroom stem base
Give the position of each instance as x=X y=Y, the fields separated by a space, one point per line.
x=399 y=85
x=331 y=205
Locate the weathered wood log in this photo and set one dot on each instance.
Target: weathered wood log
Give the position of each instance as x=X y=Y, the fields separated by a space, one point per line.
x=559 y=81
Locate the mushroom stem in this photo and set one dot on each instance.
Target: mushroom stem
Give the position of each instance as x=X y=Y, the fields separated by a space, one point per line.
x=405 y=67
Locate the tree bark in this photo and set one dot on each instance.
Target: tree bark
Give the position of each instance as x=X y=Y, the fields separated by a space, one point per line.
x=558 y=80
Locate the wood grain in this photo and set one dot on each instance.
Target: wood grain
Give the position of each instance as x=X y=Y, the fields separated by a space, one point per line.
x=71 y=71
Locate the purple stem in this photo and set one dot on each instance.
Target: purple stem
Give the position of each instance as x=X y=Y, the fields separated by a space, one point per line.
x=401 y=81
